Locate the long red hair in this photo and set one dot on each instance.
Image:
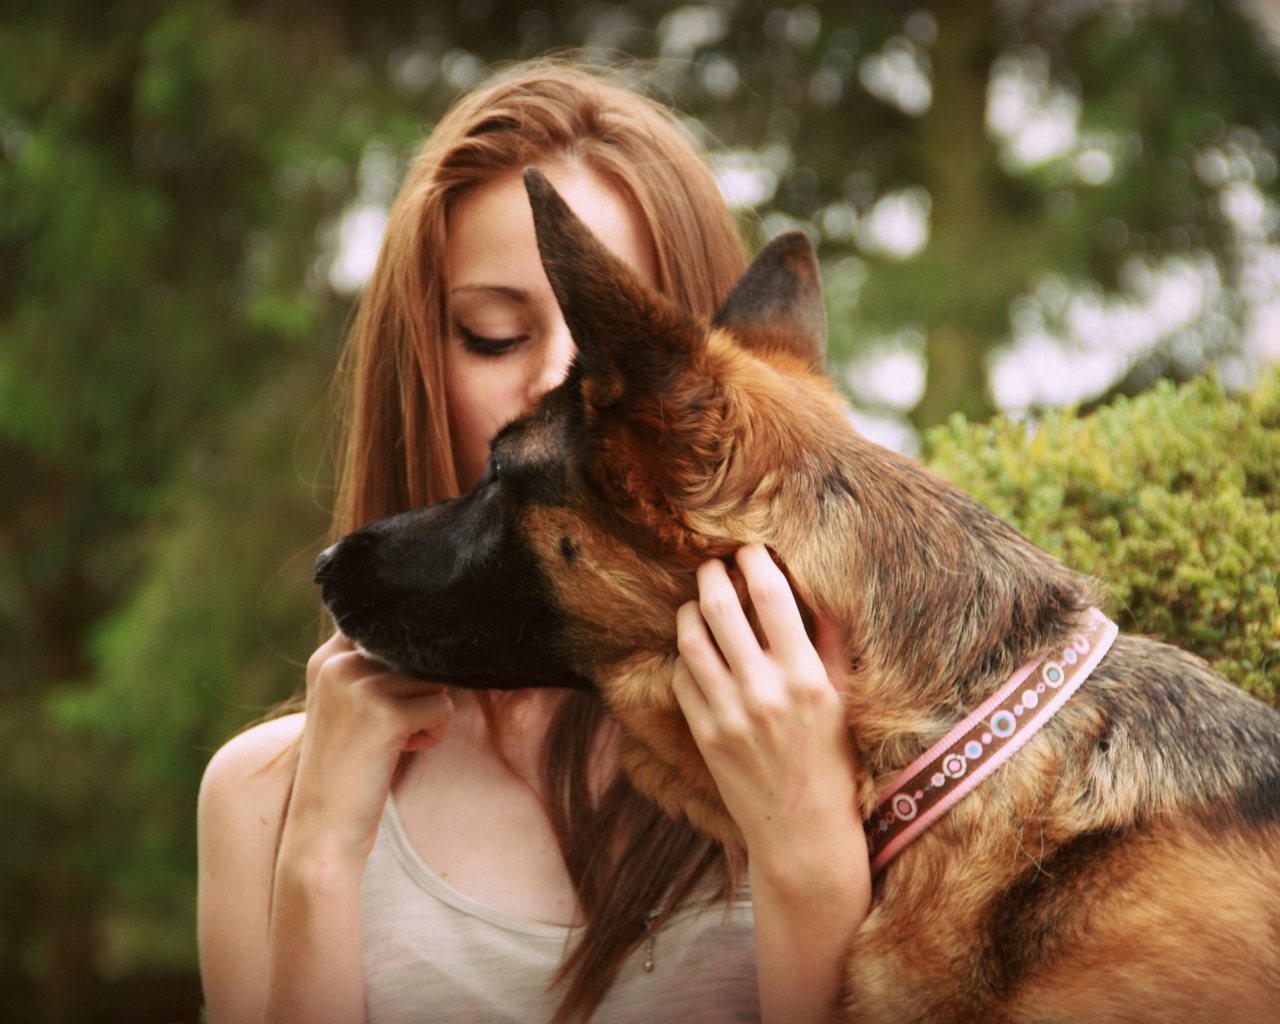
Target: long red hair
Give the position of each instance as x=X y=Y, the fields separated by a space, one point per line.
x=625 y=857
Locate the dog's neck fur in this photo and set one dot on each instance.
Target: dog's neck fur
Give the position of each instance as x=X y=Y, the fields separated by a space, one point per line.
x=942 y=599
x=945 y=606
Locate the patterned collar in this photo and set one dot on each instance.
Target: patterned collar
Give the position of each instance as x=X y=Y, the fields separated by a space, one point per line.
x=952 y=768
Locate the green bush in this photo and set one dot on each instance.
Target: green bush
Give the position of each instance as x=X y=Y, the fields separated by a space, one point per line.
x=1170 y=499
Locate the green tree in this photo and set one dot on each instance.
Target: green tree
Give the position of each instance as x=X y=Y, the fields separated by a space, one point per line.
x=160 y=347
x=1171 y=500
x=1171 y=115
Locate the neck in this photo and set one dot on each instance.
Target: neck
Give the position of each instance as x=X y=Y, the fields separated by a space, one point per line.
x=511 y=728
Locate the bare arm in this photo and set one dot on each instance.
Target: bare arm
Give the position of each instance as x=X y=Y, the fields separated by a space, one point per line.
x=280 y=933
x=770 y=722
x=242 y=800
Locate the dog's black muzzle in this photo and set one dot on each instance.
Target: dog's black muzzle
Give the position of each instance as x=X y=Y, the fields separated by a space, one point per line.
x=450 y=594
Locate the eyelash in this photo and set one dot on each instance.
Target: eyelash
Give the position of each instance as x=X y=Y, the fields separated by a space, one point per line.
x=481 y=345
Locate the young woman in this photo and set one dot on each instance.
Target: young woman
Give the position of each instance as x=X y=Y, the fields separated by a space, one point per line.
x=403 y=853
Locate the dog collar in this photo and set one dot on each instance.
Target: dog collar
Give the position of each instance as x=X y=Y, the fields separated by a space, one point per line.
x=952 y=768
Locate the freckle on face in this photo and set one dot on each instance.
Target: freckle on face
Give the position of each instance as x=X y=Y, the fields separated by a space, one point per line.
x=498 y=290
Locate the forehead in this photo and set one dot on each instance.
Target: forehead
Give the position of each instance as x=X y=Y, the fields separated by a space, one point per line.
x=491 y=240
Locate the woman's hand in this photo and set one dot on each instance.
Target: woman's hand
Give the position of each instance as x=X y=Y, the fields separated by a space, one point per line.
x=769 y=720
x=360 y=717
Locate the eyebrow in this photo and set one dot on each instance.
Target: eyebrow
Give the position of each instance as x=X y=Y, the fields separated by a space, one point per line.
x=515 y=294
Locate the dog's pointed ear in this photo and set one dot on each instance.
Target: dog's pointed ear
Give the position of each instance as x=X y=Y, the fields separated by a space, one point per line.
x=625 y=331
x=777 y=303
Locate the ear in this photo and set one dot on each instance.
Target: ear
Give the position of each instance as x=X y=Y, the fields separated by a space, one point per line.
x=631 y=340
x=777 y=304
x=643 y=370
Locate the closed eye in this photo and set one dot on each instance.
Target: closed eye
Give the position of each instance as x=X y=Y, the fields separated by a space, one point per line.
x=485 y=346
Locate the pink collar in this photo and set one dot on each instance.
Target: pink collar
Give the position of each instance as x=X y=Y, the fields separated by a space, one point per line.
x=952 y=768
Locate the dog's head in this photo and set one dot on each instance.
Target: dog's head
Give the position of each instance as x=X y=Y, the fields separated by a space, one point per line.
x=670 y=442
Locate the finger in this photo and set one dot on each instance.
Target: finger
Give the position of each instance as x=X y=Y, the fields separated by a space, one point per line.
x=710 y=726
x=723 y=614
x=830 y=644
x=689 y=695
x=343 y=663
x=701 y=657
x=431 y=715
x=335 y=645
x=346 y=665
x=775 y=605
x=404 y=687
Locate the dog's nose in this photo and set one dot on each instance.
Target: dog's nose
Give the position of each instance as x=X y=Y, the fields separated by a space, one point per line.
x=323 y=562
x=352 y=558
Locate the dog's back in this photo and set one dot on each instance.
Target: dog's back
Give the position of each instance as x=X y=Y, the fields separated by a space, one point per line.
x=1127 y=869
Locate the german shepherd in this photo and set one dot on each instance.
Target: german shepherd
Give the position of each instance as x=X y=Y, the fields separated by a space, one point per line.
x=1124 y=866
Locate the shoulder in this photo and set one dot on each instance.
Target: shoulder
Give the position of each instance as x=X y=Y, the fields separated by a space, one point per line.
x=256 y=757
x=246 y=784
x=242 y=805
x=252 y=750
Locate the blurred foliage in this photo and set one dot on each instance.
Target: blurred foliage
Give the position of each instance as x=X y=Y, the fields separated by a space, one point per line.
x=162 y=358
x=179 y=182
x=1170 y=499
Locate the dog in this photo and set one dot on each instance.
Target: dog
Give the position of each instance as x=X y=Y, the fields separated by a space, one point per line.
x=1123 y=866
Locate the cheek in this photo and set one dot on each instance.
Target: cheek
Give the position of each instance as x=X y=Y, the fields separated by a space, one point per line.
x=468 y=425
x=482 y=399
x=619 y=604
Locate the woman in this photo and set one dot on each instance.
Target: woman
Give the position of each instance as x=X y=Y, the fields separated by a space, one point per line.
x=402 y=853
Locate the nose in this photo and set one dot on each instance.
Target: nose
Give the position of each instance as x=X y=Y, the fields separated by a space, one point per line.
x=557 y=356
x=351 y=557
x=323 y=562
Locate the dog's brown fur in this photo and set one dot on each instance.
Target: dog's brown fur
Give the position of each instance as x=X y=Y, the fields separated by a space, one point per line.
x=1124 y=866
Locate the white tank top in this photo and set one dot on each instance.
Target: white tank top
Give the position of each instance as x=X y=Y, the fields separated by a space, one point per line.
x=432 y=954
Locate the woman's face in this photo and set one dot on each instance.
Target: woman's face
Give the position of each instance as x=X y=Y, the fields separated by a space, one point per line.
x=508 y=343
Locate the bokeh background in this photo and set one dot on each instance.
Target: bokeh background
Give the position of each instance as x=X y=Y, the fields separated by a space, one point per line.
x=1020 y=205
